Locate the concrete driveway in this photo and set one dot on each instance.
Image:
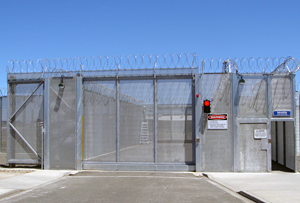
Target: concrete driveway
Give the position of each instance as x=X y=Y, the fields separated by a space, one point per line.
x=94 y=186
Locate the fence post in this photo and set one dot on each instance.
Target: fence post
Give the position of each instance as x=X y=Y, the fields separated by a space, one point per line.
x=234 y=124
x=198 y=120
x=79 y=123
x=11 y=99
x=46 y=140
x=1 y=124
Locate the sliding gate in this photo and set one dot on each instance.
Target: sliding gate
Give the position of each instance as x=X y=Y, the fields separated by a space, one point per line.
x=141 y=123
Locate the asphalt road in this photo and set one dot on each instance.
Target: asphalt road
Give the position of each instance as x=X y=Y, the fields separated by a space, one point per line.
x=128 y=187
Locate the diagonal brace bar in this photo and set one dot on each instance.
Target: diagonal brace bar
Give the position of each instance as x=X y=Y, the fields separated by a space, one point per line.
x=26 y=100
x=13 y=127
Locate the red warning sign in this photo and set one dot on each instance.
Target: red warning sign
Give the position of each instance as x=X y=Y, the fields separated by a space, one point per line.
x=217 y=122
x=217 y=116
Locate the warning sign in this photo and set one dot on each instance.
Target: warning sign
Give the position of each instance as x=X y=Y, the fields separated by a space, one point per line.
x=217 y=122
x=260 y=134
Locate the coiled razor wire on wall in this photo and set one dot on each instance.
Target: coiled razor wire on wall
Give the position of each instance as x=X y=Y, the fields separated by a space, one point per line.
x=71 y=66
x=182 y=60
x=250 y=65
x=104 y=63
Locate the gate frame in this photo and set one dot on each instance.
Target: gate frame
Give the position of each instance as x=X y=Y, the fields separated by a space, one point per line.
x=10 y=156
x=81 y=164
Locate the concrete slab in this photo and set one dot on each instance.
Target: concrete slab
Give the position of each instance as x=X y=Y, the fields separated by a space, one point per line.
x=267 y=187
x=11 y=173
x=120 y=186
x=5 y=191
x=13 y=181
x=33 y=179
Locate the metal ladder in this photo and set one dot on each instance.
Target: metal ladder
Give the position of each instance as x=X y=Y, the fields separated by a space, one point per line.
x=144 y=136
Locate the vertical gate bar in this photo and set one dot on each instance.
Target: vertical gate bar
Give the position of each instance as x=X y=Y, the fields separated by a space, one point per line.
x=46 y=155
x=155 y=117
x=8 y=135
x=79 y=120
x=42 y=134
x=1 y=123
x=293 y=89
x=171 y=122
x=193 y=120
x=234 y=107
x=198 y=122
x=11 y=90
x=118 y=121
x=284 y=143
x=269 y=116
x=277 y=144
x=269 y=97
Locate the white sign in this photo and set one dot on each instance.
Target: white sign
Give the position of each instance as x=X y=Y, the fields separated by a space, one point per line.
x=217 y=122
x=260 y=134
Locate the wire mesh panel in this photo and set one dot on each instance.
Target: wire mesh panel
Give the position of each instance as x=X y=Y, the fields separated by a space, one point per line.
x=100 y=121
x=136 y=121
x=26 y=122
x=253 y=97
x=174 y=100
x=282 y=93
x=62 y=120
x=4 y=124
x=290 y=145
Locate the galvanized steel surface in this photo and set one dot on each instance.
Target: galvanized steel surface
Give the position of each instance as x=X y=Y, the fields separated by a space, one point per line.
x=139 y=112
x=136 y=141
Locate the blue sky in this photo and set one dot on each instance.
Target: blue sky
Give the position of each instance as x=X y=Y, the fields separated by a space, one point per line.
x=34 y=29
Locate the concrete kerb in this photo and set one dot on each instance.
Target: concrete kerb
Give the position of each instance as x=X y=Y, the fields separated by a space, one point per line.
x=235 y=190
x=25 y=179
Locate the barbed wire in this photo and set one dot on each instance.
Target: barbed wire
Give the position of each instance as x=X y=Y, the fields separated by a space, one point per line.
x=181 y=60
x=135 y=62
x=289 y=65
x=250 y=65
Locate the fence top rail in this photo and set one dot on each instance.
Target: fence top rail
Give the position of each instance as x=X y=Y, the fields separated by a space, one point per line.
x=160 y=61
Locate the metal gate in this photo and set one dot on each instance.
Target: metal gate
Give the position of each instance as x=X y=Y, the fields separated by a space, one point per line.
x=260 y=100
x=145 y=113
x=25 y=122
x=141 y=122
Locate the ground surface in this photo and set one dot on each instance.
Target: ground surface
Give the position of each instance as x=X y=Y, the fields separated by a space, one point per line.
x=128 y=187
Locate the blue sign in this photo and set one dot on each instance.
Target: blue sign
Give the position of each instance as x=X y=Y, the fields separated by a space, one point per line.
x=282 y=113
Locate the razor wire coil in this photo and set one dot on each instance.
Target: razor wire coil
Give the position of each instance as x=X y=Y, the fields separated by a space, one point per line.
x=136 y=62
